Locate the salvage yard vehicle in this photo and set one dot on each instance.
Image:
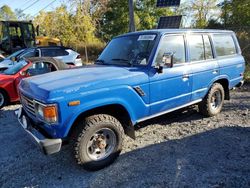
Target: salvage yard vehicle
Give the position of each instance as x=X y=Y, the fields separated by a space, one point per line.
x=138 y=76
x=64 y=54
x=11 y=77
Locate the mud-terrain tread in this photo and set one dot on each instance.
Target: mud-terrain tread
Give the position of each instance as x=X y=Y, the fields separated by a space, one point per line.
x=204 y=106
x=89 y=123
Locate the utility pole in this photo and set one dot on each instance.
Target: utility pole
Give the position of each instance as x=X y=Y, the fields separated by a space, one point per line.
x=131 y=16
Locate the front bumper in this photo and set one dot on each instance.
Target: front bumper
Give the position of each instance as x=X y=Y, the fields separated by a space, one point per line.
x=48 y=146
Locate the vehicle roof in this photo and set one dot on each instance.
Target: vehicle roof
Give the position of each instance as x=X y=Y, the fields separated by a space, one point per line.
x=166 y=31
x=49 y=47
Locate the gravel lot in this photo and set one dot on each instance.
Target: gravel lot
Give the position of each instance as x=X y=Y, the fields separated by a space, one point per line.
x=181 y=149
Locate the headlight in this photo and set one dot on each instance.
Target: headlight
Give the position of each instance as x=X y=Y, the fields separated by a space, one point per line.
x=47 y=113
x=40 y=110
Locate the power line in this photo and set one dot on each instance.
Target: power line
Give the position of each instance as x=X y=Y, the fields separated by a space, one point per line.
x=30 y=5
x=44 y=7
x=26 y=2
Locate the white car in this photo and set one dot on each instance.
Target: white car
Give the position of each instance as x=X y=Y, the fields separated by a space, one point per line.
x=66 y=55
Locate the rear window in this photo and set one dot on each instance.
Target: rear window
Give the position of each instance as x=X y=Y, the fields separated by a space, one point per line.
x=224 y=44
x=54 y=52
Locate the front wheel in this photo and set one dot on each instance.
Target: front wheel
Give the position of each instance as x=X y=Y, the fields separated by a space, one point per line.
x=212 y=104
x=99 y=143
x=3 y=99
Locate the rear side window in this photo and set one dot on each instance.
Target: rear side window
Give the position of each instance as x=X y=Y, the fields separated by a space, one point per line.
x=207 y=47
x=174 y=44
x=196 y=47
x=54 y=52
x=224 y=45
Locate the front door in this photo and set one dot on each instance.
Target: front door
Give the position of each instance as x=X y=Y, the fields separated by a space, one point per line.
x=172 y=88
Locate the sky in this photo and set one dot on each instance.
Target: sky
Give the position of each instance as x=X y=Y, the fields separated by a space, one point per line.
x=33 y=9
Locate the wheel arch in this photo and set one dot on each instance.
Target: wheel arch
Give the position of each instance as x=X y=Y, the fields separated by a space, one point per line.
x=224 y=81
x=225 y=84
x=116 y=110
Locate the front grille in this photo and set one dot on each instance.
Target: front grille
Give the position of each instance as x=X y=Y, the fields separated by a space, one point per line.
x=28 y=104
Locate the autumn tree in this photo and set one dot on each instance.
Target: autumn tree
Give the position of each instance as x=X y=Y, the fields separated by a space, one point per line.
x=116 y=19
x=6 y=13
x=201 y=11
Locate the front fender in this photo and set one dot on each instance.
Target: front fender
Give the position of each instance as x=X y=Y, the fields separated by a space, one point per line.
x=121 y=95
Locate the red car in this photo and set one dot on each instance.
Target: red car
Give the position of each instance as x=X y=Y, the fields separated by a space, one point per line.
x=10 y=78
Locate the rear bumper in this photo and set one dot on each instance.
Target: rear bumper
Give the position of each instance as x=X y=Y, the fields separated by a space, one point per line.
x=240 y=84
x=47 y=145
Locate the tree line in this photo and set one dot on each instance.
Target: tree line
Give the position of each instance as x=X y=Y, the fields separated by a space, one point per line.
x=95 y=22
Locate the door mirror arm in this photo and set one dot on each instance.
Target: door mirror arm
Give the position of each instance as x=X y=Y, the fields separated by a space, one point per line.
x=159 y=69
x=167 y=61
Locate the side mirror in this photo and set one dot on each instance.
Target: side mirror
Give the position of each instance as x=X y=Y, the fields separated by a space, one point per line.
x=13 y=59
x=24 y=73
x=167 y=61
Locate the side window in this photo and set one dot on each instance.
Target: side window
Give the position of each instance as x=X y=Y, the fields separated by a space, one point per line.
x=224 y=44
x=41 y=68
x=54 y=52
x=47 y=53
x=175 y=44
x=207 y=47
x=61 y=52
x=28 y=54
x=196 y=47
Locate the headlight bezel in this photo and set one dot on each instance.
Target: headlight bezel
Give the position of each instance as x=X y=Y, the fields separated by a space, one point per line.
x=40 y=107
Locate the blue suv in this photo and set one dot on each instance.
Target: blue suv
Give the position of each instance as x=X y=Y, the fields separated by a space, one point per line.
x=138 y=76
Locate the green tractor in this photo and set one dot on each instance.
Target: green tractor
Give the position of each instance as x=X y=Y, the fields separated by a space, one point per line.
x=15 y=35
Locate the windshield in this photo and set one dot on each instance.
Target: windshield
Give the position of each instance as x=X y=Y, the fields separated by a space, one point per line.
x=130 y=50
x=15 y=54
x=16 y=68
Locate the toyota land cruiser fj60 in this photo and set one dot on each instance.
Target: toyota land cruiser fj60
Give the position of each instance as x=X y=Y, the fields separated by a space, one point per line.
x=138 y=76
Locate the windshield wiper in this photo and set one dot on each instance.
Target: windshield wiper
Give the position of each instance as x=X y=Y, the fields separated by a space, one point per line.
x=100 y=61
x=124 y=60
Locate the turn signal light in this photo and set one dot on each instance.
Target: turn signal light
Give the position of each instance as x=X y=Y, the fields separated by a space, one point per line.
x=50 y=114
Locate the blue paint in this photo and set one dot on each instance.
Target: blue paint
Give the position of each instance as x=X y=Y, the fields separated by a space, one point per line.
x=101 y=85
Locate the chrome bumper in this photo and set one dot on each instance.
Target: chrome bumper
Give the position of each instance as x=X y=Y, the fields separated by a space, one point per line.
x=48 y=146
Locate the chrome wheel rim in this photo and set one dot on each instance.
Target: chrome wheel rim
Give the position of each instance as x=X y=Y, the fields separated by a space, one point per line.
x=216 y=100
x=1 y=99
x=101 y=144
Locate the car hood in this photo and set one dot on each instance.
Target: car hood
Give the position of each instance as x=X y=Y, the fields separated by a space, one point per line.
x=60 y=84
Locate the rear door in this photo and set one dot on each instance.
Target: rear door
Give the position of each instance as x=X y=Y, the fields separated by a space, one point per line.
x=204 y=67
x=171 y=88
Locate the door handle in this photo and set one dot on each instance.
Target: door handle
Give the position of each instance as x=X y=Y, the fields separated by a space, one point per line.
x=185 y=76
x=215 y=71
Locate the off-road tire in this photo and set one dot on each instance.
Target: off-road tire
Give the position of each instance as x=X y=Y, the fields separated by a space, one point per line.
x=5 y=98
x=205 y=107
x=89 y=126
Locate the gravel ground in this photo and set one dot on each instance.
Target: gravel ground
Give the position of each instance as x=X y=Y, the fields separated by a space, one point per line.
x=180 y=149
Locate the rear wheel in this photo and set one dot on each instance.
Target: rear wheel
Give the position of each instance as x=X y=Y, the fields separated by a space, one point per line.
x=212 y=104
x=3 y=99
x=99 y=143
